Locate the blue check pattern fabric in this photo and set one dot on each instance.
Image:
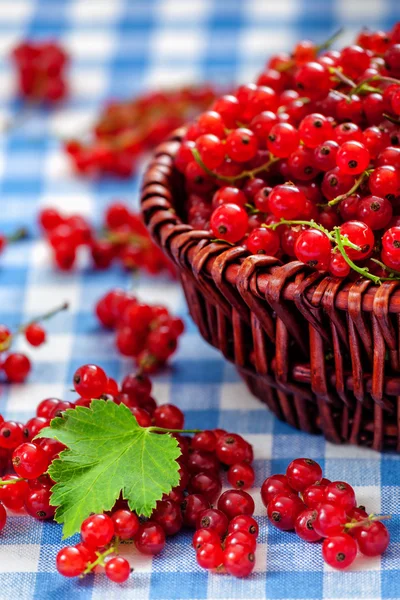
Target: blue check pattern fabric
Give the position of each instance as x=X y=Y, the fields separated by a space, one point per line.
x=118 y=48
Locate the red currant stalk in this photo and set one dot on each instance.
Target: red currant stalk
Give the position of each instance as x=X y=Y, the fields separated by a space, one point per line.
x=113 y=549
x=6 y=344
x=319 y=48
x=11 y=481
x=364 y=271
x=252 y=173
x=372 y=517
x=358 y=182
x=357 y=89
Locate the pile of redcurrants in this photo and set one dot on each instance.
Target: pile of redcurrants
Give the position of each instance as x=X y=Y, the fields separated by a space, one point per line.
x=41 y=71
x=317 y=508
x=123 y=238
x=305 y=162
x=149 y=334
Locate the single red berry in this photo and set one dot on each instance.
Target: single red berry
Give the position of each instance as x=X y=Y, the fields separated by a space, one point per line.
x=274 y=485
x=263 y=241
x=17 y=367
x=352 y=158
x=168 y=514
x=313 y=247
x=241 y=537
x=11 y=434
x=35 y=334
x=241 y=145
x=304 y=526
x=241 y=476
x=244 y=523
x=229 y=222
x=97 y=531
x=373 y=538
x=118 y=569
x=287 y=202
x=205 y=440
x=230 y=448
x=13 y=495
x=191 y=507
x=361 y=235
x=37 y=504
x=236 y=502
x=90 y=381
x=70 y=562
x=206 y=484
x=210 y=555
x=126 y=524
x=375 y=212
x=205 y=536
x=315 y=129
x=214 y=519
x=339 y=551
x=168 y=416
x=238 y=561
x=314 y=495
x=330 y=520
x=340 y=494
x=303 y=472
x=283 y=511
x=29 y=461
x=150 y=538
x=283 y=139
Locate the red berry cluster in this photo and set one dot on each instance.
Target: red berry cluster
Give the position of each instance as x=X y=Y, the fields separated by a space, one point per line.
x=125 y=130
x=315 y=140
x=317 y=508
x=41 y=71
x=123 y=238
x=15 y=365
x=147 y=333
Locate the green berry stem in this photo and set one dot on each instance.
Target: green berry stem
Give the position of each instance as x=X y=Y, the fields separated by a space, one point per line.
x=164 y=430
x=48 y=315
x=395 y=274
x=10 y=481
x=328 y=43
x=338 y=73
x=353 y=189
x=364 y=271
x=233 y=178
x=100 y=559
x=375 y=78
x=20 y=234
x=314 y=225
x=370 y=519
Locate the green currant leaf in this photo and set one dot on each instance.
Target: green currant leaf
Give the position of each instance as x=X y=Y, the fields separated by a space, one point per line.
x=108 y=453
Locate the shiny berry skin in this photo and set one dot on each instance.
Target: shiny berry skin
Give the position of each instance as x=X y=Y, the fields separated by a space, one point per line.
x=313 y=80
x=314 y=495
x=35 y=334
x=201 y=461
x=361 y=235
x=283 y=139
x=229 y=222
x=11 y=434
x=117 y=569
x=340 y=494
x=373 y=538
x=330 y=520
x=375 y=212
x=287 y=202
x=37 y=504
x=303 y=472
x=313 y=248
x=206 y=484
x=229 y=195
x=229 y=108
x=384 y=182
x=150 y=538
x=211 y=150
x=45 y=407
x=168 y=514
x=338 y=267
x=205 y=440
x=283 y=511
x=13 y=495
x=90 y=381
x=244 y=523
x=3 y=517
x=274 y=485
x=236 y=502
x=70 y=562
x=238 y=561
x=352 y=158
x=33 y=426
x=336 y=183
x=168 y=416
x=17 y=367
x=339 y=551
x=191 y=507
x=243 y=538
x=126 y=524
x=60 y=408
x=391 y=241
x=241 y=476
x=97 y=531
x=304 y=527
x=137 y=385
x=324 y=157
x=241 y=145
x=263 y=241
x=214 y=519
x=315 y=129
x=230 y=448
x=211 y=122
x=29 y=461
x=209 y=555
x=205 y=536
x=49 y=218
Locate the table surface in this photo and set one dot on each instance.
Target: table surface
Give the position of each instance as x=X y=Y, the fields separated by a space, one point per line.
x=119 y=48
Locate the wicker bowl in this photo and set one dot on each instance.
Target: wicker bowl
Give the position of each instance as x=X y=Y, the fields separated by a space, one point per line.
x=322 y=353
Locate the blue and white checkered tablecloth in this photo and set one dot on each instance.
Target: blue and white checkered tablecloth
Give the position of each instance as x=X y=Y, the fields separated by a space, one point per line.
x=119 y=47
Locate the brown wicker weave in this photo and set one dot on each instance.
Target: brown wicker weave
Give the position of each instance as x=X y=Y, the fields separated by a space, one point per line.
x=322 y=353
